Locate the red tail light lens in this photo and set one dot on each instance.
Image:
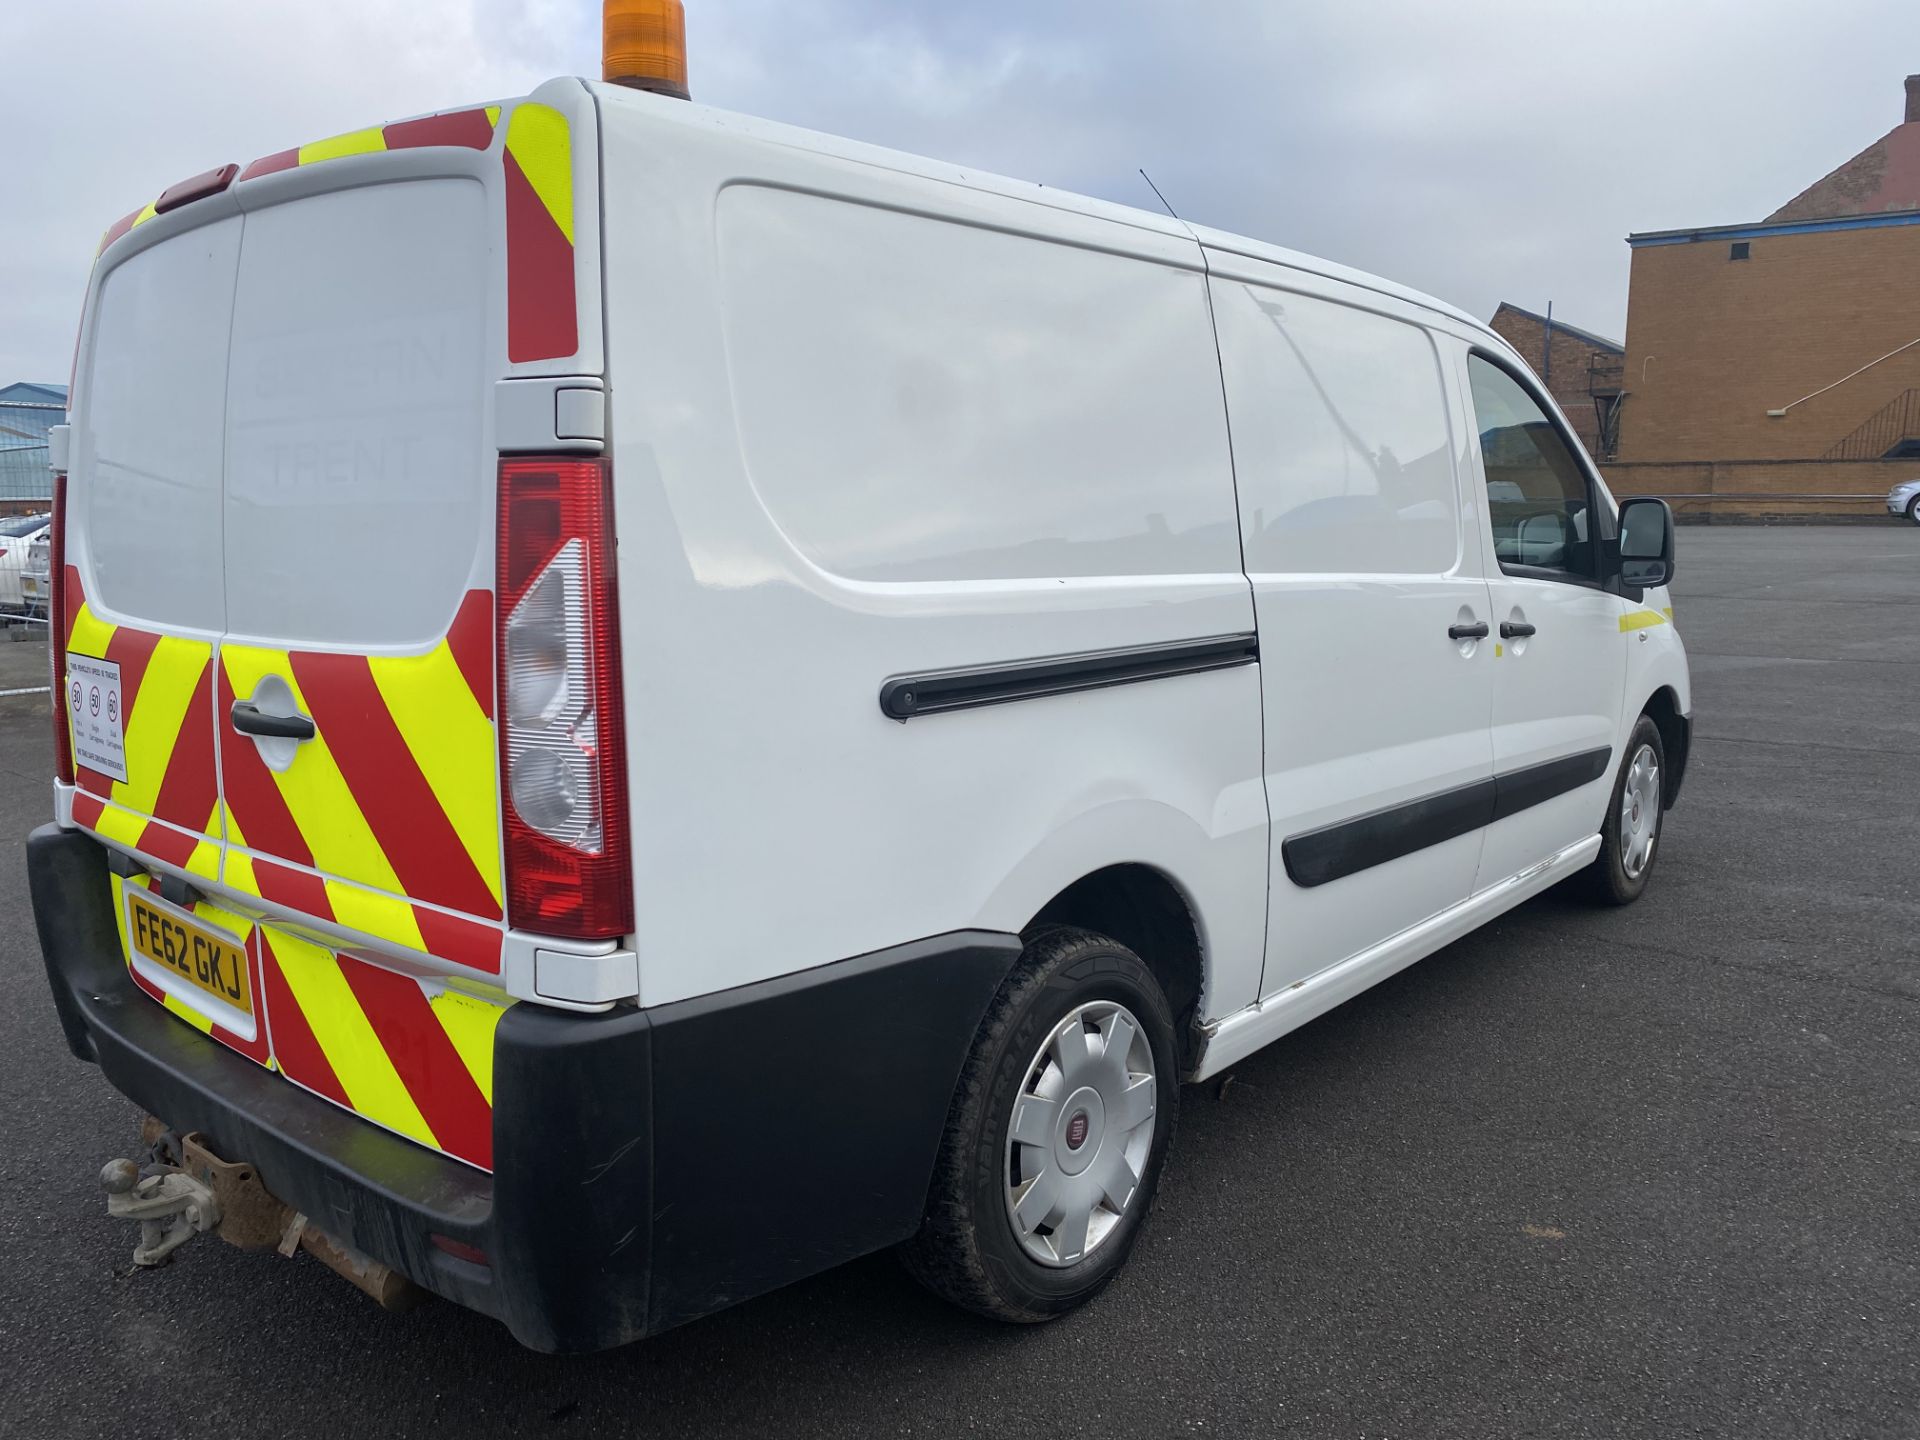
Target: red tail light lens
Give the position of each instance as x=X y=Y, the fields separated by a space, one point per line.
x=57 y=627
x=562 y=746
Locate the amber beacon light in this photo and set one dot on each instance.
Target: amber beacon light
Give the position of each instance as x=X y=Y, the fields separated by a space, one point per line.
x=644 y=44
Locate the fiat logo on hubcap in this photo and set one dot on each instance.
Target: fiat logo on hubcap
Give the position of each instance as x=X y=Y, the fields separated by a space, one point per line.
x=1077 y=1130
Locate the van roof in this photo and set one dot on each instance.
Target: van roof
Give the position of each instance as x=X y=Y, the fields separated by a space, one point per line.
x=620 y=104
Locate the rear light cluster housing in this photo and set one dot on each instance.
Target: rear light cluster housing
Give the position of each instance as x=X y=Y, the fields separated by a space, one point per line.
x=562 y=746
x=57 y=627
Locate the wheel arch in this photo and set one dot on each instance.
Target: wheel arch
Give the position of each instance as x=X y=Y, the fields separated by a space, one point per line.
x=1146 y=910
x=1676 y=738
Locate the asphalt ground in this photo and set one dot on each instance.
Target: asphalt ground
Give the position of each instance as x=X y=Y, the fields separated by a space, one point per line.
x=1633 y=1173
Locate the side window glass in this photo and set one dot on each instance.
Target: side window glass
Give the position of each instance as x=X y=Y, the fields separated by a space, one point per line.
x=1537 y=494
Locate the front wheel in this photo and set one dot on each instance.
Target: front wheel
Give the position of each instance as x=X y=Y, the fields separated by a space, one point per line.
x=1913 y=510
x=1057 y=1134
x=1630 y=838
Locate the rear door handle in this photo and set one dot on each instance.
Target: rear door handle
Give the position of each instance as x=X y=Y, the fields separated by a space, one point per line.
x=1475 y=631
x=250 y=719
x=1515 y=629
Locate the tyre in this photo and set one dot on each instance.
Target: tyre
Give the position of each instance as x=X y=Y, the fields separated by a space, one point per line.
x=1057 y=1134
x=1630 y=838
x=1913 y=510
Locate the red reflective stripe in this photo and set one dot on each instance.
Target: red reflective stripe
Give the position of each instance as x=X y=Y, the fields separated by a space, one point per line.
x=471 y=641
x=541 y=323
x=424 y=1058
x=163 y=842
x=271 y=164
x=294 y=1045
x=76 y=597
x=295 y=889
x=120 y=227
x=188 y=790
x=469 y=128
x=413 y=832
x=463 y=942
x=87 y=810
x=257 y=804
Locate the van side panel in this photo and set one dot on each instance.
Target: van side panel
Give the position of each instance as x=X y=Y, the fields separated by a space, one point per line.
x=867 y=424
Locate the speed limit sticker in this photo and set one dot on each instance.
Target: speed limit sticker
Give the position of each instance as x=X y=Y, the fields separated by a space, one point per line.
x=99 y=722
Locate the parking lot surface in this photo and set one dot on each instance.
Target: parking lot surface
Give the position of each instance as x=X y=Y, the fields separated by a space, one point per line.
x=1630 y=1173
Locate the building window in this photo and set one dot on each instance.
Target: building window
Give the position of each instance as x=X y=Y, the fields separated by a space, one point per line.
x=1742 y=250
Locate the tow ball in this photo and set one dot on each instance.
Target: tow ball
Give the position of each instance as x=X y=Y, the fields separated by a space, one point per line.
x=186 y=1189
x=172 y=1207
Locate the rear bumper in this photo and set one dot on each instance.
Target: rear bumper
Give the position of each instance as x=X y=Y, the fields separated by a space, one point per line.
x=650 y=1166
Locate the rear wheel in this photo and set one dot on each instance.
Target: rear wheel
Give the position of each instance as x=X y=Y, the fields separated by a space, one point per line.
x=1630 y=838
x=1057 y=1134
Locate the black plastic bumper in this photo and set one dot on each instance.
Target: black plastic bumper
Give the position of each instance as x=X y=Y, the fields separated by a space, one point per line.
x=650 y=1166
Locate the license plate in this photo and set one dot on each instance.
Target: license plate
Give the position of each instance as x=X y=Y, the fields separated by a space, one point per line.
x=209 y=962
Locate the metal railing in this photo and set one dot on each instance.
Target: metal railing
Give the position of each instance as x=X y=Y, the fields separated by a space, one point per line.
x=1890 y=429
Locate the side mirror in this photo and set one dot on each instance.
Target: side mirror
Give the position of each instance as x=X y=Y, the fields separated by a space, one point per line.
x=1646 y=543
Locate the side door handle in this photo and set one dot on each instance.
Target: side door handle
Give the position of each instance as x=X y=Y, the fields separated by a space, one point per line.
x=1475 y=631
x=1515 y=629
x=250 y=719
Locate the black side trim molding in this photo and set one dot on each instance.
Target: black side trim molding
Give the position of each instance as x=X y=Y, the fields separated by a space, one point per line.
x=1350 y=846
x=1519 y=790
x=928 y=692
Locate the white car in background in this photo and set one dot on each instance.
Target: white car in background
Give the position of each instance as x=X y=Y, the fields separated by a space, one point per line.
x=36 y=588
x=1904 y=500
x=17 y=534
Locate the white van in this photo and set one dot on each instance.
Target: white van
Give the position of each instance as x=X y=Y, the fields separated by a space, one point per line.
x=1049 y=652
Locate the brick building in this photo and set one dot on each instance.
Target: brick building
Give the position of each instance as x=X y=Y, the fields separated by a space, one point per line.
x=1582 y=370
x=1779 y=361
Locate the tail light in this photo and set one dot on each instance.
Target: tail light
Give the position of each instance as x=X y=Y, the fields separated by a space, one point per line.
x=562 y=748
x=57 y=627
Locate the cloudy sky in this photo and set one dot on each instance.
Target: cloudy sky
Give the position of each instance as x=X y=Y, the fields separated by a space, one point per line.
x=1482 y=149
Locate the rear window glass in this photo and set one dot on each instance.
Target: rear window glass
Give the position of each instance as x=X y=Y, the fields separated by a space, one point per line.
x=150 y=431
x=357 y=491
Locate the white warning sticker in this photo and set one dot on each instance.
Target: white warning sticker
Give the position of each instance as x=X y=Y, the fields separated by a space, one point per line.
x=93 y=700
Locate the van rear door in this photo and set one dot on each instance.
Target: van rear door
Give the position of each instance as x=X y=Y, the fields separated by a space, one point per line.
x=292 y=400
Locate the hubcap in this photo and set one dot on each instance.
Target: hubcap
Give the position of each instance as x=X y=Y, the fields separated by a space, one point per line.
x=1082 y=1127
x=1639 y=812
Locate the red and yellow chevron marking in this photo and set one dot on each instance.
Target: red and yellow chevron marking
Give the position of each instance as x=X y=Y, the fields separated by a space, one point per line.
x=167 y=807
x=409 y=1055
x=389 y=818
x=403 y=1053
x=258 y=1049
x=542 y=314
x=464 y=129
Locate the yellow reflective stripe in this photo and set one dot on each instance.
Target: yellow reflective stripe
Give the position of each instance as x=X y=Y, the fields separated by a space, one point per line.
x=493 y=116
x=346 y=1036
x=153 y=209
x=539 y=140
x=382 y=916
x=187 y=1013
x=90 y=635
x=120 y=824
x=453 y=743
x=317 y=794
x=354 y=142
x=205 y=860
x=469 y=1023
x=1641 y=620
x=159 y=711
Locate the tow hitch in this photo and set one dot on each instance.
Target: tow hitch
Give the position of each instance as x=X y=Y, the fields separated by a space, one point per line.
x=187 y=1190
